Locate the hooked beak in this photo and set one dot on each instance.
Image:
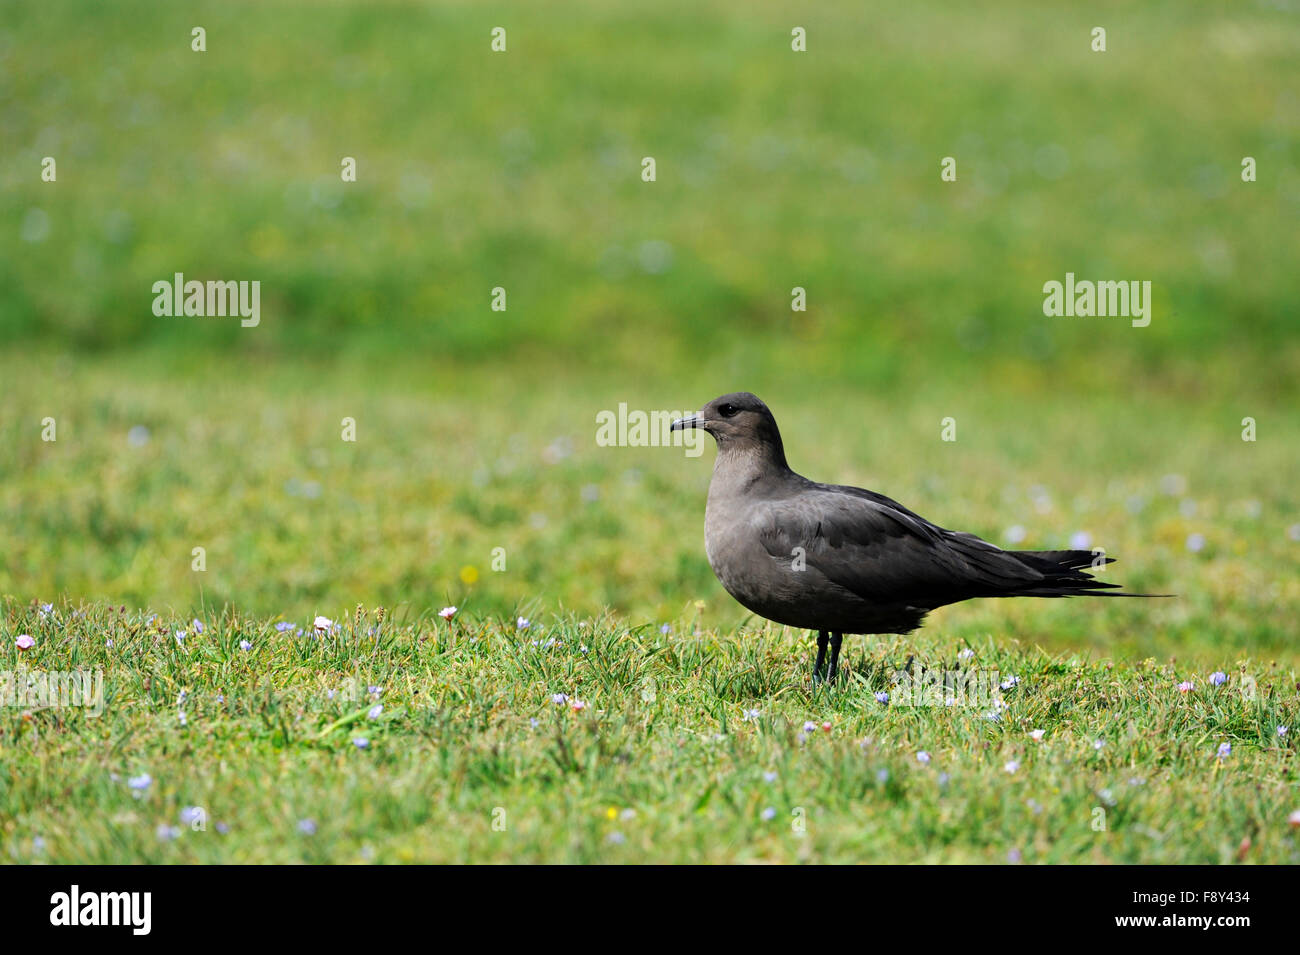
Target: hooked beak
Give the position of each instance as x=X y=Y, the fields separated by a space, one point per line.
x=690 y=421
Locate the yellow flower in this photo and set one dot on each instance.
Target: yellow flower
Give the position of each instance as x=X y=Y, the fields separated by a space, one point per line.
x=611 y=813
x=468 y=574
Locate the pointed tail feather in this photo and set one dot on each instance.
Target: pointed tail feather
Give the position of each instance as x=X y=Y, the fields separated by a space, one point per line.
x=1066 y=577
x=1067 y=559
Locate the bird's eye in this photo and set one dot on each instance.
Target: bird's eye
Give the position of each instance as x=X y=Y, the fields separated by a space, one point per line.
x=727 y=411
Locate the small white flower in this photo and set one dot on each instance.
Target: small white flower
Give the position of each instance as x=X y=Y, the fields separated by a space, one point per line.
x=1011 y=766
x=322 y=623
x=923 y=757
x=965 y=654
x=1036 y=735
x=446 y=613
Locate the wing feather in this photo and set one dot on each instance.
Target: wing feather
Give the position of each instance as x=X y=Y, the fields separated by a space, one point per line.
x=884 y=553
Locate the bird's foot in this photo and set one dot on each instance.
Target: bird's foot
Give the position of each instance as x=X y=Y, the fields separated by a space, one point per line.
x=833 y=671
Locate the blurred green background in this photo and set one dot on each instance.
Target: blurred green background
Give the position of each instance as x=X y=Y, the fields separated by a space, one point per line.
x=775 y=169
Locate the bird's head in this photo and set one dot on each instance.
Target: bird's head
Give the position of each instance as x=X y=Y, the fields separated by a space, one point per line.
x=738 y=422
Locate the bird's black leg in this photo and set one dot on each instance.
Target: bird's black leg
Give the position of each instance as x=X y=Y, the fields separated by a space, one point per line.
x=836 y=639
x=821 y=656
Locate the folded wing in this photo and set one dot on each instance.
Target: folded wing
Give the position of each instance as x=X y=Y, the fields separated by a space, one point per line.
x=882 y=552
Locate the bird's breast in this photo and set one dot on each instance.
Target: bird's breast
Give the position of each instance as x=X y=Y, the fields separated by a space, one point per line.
x=742 y=563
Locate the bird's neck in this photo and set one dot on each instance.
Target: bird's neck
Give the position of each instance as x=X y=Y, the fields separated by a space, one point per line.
x=740 y=466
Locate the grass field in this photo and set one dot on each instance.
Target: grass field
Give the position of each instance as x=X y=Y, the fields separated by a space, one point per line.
x=475 y=479
x=436 y=742
x=297 y=523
